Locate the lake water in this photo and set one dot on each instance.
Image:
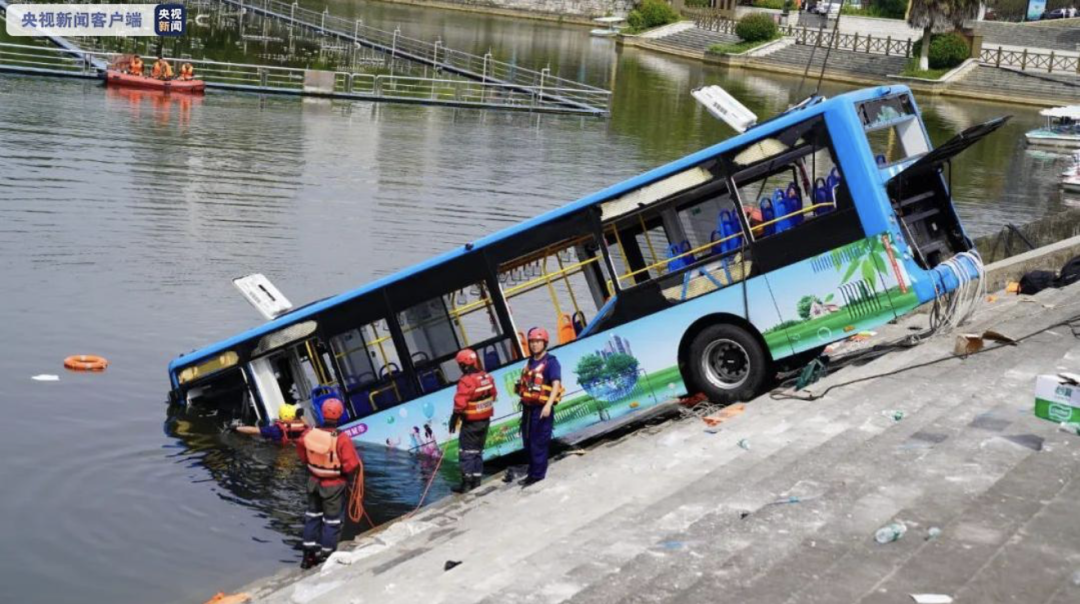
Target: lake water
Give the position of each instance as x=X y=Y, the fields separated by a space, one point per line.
x=124 y=216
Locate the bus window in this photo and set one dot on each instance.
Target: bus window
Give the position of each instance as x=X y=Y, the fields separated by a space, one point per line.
x=790 y=180
x=893 y=129
x=559 y=288
x=436 y=329
x=370 y=368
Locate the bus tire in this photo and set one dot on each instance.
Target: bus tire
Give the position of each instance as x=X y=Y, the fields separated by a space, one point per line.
x=727 y=363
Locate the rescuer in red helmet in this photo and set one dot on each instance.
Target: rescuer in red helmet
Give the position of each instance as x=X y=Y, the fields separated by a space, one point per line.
x=474 y=404
x=540 y=389
x=331 y=459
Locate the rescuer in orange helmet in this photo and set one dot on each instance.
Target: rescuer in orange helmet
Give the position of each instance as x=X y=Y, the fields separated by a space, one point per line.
x=540 y=389
x=474 y=404
x=331 y=458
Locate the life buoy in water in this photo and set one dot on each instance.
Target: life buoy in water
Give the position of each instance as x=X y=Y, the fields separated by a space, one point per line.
x=86 y=362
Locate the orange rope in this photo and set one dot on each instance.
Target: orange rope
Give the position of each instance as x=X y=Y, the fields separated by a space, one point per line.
x=356 y=498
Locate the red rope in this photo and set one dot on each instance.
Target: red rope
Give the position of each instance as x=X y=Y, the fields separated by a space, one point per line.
x=356 y=498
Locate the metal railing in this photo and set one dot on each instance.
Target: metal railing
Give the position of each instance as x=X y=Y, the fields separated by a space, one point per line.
x=888 y=46
x=483 y=68
x=269 y=78
x=1028 y=60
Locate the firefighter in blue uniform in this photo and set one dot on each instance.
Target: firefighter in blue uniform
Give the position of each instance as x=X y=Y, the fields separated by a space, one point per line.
x=540 y=389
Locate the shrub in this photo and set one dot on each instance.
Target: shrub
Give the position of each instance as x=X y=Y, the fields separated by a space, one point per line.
x=946 y=50
x=756 y=27
x=774 y=4
x=650 y=14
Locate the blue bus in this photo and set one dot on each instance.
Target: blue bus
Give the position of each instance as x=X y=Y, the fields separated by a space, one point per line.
x=700 y=276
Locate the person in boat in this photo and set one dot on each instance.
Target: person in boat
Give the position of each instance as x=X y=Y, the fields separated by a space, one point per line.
x=187 y=72
x=474 y=404
x=135 y=67
x=289 y=426
x=331 y=459
x=162 y=70
x=540 y=389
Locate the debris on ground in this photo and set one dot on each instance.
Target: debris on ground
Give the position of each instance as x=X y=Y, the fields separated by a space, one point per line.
x=723 y=415
x=451 y=564
x=46 y=377
x=895 y=414
x=933 y=533
x=221 y=598
x=744 y=444
x=890 y=533
x=931 y=598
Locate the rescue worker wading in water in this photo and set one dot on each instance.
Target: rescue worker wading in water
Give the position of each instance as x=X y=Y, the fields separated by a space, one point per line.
x=287 y=427
x=540 y=389
x=474 y=404
x=331 y=459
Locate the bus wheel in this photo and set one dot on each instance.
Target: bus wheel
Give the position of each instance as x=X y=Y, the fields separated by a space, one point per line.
x=727 y=363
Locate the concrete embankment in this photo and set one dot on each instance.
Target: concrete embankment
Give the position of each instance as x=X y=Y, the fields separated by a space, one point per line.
x=781 y=502
x=580 y=12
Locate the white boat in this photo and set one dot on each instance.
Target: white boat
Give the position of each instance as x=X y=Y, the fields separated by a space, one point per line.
x=1062 y=128
x=612 y=28
x=1070 y=179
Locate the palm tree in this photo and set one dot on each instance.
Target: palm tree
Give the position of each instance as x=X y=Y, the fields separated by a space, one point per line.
x=928 y=13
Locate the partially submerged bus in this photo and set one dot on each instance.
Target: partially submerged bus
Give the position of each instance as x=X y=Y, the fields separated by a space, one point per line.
x=699 y=276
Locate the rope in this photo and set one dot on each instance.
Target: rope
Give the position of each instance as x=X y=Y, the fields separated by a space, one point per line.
x=356 y=497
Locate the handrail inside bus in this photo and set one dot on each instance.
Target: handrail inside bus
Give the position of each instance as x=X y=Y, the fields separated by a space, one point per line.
x=664 y=262
x=758 y=227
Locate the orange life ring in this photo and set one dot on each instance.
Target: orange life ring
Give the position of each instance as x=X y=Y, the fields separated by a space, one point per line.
x=86 y=362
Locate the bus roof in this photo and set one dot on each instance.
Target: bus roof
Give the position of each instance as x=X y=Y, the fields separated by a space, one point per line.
x=764 y=129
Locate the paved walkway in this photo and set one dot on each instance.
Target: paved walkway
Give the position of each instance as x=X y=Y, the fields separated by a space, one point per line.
x=676 y=513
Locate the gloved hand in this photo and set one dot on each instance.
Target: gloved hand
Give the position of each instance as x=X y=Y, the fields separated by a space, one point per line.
x=455 y=419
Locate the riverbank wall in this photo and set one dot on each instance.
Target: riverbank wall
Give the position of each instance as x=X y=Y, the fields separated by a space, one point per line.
x=776 y=499
x=578 y=12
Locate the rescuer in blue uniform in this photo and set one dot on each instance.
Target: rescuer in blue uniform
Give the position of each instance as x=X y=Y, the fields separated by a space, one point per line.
x=540 y=389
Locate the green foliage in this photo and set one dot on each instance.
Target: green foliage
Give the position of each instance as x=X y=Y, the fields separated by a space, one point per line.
x=756 y=27
x=804 y=305
x=734 y=49
x=774 y=4
x=589 y=368
x=948 y=50
x=650 y=14
x=882 y=9
x=911 y=69
x=593 y=367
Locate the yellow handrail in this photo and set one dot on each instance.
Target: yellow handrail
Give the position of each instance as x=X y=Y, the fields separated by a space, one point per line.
x=507 y=293
x=687 y=253
x=648 y=240
x=759 y=227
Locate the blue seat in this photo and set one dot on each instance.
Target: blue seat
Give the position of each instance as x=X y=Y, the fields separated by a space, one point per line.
x=880 y=159
x=822 y=195
x=361 y=403
x=794 y=204
x=579 y=322
x=677 y=249
x=780 y=207
x=491 y=358
x=767 y=214
x=429 y=380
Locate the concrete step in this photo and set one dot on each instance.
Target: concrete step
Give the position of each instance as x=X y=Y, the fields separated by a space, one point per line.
x=752 y=545
x=1036 y=38
x=769 y=495
x=989 y=78
x=1035 y=561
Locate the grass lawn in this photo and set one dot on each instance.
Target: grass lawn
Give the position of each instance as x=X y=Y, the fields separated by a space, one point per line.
x=912 y=70
x=737 y=48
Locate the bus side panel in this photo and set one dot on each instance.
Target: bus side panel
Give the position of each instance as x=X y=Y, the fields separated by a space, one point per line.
x=606 y=376
x=834 y=295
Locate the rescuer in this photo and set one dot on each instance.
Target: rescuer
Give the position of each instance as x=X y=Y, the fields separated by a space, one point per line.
x=474 y=404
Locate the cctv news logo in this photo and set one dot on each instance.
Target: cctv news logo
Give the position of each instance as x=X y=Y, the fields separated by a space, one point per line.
x=121 y=20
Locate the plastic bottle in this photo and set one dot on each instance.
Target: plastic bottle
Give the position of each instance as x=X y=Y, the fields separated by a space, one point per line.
x=745 y=444
x=892 y=532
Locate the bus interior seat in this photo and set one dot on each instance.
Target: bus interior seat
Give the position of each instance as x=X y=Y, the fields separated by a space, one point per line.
x=794 y=204
x=601 y=314
x=566 y=329
x=726 y=225
x=880 y=160
x=579 y=322
x=491 y=358
x=430 y=379
x=675 y=250
x=767 y=215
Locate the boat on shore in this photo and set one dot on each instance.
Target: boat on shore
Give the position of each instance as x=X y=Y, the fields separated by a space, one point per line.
x=118 y=78
x=612 y=28
x=1062 y=128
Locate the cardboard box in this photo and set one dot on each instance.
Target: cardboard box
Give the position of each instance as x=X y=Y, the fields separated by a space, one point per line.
x=1057 y=399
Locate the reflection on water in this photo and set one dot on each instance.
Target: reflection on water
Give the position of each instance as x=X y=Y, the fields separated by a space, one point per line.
x=124 y=216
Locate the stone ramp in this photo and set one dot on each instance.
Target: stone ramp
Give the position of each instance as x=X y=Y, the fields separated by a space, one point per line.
x=985 y=78
x=674 y=513
x=1043 y=36
x=695 y=40
x=797 y=55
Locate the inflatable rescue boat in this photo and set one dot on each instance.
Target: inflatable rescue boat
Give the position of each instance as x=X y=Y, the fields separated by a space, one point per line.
x=130 y=80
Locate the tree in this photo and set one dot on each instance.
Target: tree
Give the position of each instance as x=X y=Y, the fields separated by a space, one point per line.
x=590 y=368
x=929 y=13
x=620 y=364
x=804 y=305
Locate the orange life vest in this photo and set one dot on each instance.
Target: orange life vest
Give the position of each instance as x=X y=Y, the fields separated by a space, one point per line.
x=322 y=456
x=482 y=404
x=532 y=388
x=290 y=430
x=136 y=66
x=187 y=71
